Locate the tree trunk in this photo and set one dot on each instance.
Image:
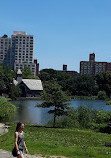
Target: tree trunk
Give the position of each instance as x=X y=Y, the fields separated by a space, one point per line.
x=54 y=120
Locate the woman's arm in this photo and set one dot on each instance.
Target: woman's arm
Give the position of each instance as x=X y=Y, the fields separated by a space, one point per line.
x=16 y=145
x=26 y=148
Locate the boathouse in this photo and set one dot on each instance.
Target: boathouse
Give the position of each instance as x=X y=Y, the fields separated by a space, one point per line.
x=29 y=87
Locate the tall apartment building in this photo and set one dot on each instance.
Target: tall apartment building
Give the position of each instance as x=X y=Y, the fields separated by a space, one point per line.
x=93 y=67
x=18 y=51
x=5 y=49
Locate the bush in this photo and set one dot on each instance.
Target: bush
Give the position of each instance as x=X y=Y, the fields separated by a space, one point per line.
x=70 y=120
x=85 y=116
x=102 y=95
x=108 y=102
x=82 y=117
x=7 y=109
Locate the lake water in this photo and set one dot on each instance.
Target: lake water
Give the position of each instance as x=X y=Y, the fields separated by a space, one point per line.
x=28 y=112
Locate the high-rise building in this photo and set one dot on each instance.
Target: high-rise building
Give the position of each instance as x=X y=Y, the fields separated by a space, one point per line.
x=5 y=50
x=93 y=67
x=18 y=51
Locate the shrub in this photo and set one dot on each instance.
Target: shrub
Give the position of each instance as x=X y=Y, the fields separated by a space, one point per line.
x=85 y=116
x=70 y=120
x=82 y=117
x=7 y=109
x=108 y=102
x=102 y=95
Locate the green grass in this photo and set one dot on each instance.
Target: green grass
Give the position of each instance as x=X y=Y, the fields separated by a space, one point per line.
x=73 y=143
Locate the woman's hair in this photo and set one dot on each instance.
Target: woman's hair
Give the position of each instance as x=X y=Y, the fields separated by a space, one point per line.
x=18 y=126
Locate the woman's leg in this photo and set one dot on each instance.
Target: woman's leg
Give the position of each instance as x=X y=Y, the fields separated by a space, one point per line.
x=20 y=156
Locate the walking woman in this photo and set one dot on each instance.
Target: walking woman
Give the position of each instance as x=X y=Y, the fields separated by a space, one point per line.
x=19 y=140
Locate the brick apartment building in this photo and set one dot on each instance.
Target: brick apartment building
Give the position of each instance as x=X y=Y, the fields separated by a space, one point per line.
x=93 y=67
x=74 y=74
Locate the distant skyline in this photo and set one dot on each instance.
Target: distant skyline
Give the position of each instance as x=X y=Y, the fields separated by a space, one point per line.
x=65 y=31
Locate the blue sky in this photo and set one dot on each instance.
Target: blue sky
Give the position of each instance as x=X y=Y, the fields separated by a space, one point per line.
x=65 y=31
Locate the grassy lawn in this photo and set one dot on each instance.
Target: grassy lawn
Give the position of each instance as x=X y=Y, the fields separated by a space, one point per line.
x=67 y=142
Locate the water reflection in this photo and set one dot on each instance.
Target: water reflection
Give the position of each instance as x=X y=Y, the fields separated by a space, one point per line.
x=28 y=112
x=94 y=104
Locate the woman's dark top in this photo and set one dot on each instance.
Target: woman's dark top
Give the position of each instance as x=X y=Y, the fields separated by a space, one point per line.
x=20 y=141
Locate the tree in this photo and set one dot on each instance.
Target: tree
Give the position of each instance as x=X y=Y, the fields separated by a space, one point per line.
x=7 y=109
x=103 y=80
x=27 y=73
x=102 y=95
x=4 y=36
x=6 y=82
x=63 y=79
x=14 y=92
x=85 y=85
x=54 y=97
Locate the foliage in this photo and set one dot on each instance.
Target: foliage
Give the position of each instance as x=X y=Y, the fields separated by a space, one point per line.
x=63 y=79
x=14 y=92
x=4 y=36
x=6 y=82
x=103 y=80
x=27 y=73
x=102 y=95
x=72 y=143
x=7 y=109
x=85 y=86
x=82 y=117
x=108 y=102
x=84 y=97
x=54 y=97
x=85 y=116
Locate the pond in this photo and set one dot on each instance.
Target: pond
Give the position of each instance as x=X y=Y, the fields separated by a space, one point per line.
x=28 y=112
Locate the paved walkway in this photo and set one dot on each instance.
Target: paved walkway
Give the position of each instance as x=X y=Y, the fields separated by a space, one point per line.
x=6 y=154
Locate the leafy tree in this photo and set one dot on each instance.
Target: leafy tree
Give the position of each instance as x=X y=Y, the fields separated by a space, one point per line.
x=103 y=80
x=54 y=97
x=7 y=109
x=4 y=36
x=85 y=85
x=44 y=76
x=102 y=95
x=63 y=79
x=27 y=73
x=2 y=86
x=6 y=82
x=14 y=92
